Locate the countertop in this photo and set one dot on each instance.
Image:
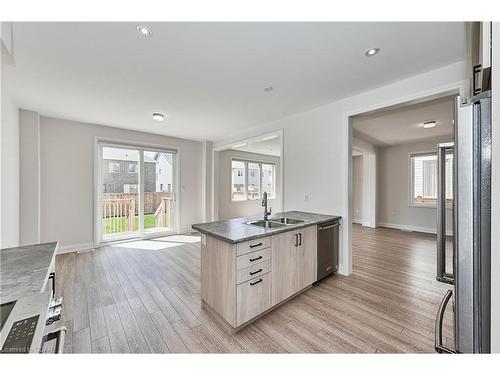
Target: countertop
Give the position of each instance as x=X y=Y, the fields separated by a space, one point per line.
x=24 y=270
x=236 y=230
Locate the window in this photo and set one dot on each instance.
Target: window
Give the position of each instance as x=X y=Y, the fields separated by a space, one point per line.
x=114 y=167
x=424 y=179
x=249 y=179
x=253 y=190
x=238 y=183
x=268 y=180
x=130 y=188
x=132 y=168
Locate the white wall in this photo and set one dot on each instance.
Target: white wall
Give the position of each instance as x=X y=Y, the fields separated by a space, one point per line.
x=357 y=189
x=393 y=180
x=9 y=166
x=29 y=179
x=228 y=209
x=207 y=175
x=317 y=154
x=368 y=188
x=67 y=179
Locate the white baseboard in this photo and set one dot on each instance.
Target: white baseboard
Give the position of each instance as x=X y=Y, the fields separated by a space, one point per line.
x=76 y=247
x=357 y=221
x=410 y=228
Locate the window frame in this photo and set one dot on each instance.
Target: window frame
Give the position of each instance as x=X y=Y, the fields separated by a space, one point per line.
x=411 y=185
x=246 y=174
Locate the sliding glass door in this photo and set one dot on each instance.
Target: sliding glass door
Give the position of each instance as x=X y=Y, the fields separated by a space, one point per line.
x=136 y=192
x=158 y=191
x=120 y=192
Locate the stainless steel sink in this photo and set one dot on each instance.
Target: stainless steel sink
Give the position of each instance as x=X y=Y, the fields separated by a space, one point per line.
x=266 y=224
x=286 y=220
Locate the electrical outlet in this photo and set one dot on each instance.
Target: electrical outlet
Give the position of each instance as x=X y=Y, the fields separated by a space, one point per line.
x=306 y=197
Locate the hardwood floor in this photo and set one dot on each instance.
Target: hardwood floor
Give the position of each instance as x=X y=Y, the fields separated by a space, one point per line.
x=143 y=297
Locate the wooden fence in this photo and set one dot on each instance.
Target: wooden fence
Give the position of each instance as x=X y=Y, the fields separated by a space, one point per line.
x=163 y=213
x=119 y=210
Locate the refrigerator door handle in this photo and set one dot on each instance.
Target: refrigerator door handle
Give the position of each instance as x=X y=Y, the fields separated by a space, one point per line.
x=441 y=274
x=438 y=330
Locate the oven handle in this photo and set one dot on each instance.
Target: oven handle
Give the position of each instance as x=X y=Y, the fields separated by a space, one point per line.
x=438 y=330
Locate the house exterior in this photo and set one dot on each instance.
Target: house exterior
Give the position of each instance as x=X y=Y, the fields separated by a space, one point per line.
x=164 y=171
x=121 y=174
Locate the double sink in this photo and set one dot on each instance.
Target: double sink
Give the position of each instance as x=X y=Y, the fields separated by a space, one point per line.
x=275 y=223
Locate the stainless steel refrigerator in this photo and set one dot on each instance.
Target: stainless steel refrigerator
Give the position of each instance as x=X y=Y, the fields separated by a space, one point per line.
x=469 y=276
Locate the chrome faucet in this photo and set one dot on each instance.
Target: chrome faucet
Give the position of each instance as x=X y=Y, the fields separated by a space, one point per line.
x=264 y=204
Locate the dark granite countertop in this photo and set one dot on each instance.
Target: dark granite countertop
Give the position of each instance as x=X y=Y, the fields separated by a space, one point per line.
x=24 y=270
x=236 y=230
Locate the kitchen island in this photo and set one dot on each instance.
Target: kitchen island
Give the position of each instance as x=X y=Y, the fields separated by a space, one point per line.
x=249 y=266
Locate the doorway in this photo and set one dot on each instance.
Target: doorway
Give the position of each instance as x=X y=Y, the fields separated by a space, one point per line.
x=136 y=192
x=413 y=178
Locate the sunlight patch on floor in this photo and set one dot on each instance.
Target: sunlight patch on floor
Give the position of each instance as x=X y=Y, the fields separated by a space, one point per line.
x=179 y=238
x=146 y=245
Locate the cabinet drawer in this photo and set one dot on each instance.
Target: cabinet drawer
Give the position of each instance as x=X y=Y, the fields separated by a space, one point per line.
x=252 y=298
x=246 y=247
x=250 y=259
x=253 y=271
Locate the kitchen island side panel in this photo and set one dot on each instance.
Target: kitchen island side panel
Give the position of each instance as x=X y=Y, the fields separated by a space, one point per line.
x=218 y=277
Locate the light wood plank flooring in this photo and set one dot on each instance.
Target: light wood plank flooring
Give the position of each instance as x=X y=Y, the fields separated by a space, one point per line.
x=143 y=297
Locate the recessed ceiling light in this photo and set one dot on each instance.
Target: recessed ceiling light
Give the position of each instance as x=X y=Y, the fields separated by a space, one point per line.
x=429 y=124
x=372 y=51
x=268 y=89
x=158 y=116
x=144 y=30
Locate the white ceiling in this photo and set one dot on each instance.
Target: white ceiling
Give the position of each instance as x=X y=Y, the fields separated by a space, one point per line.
x=266 y=147
x=209 y=77
x=404 y=124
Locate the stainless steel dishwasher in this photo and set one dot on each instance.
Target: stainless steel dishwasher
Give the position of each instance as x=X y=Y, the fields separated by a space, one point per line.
x=328 y=248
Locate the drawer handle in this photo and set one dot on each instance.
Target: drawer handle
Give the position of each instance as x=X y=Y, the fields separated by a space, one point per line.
x=254 y=259
x=256 y=245
x=253 y=273
x=258 y=281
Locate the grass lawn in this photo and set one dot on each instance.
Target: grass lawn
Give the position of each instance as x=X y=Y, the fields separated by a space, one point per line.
x=117 y=225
